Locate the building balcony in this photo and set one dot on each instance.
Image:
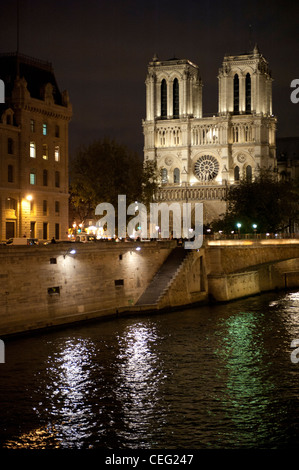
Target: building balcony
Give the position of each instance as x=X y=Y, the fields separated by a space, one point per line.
x=190 y=193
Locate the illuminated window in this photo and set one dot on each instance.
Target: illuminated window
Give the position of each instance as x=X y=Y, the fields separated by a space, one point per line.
x=176 y=99
x=248 y=93
x=164 y=175
x=57 y=153
x=32 y=150
x=163 y=99
x=236 y=94
x=32 y=177
x=45 y=151
x=44 y=129
x=32 y=125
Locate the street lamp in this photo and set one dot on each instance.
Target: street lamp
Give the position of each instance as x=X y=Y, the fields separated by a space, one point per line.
x=71 y=252
x=239 y=227
x=254 y=226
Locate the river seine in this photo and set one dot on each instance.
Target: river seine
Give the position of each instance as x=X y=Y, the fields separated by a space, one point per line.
x=215 y=377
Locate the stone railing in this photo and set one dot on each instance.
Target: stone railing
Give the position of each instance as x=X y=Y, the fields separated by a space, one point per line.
x=178 y=193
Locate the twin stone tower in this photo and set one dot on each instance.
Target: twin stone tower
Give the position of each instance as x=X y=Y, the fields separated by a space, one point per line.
x=199 y=157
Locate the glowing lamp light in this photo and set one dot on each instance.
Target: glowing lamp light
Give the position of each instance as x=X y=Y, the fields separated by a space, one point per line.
x=71 y=252
x=29 y=197
x=239 y=225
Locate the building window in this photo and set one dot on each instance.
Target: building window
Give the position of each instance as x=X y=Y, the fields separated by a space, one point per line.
x=45 y=230
x=44 y=128
x=119 y=282
x=57 y=131
x=45 y=178
x=176 y=175
x=237 y=173
x=57 y=153
x=164 y=175
x=10 y=174
x=57 y=179
x=45 y=151
x=32 y=150
x=10 y=203
x=163 y=99
x=32 y=177
x=32 y=125
x=176 y=100
x=57 y=207
x=57 y=231
x=45 y=207
x=32 y=229
x=10 y=230
x=236 y=134
x=10 y=146
x=248 y=174
x=248 y=93
x=236 y=94
x=53 y=261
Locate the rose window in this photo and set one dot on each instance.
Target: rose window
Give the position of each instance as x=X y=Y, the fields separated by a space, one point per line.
x=206 y=168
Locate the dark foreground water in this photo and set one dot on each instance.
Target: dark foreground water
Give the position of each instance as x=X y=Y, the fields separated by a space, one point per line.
x=213 y=377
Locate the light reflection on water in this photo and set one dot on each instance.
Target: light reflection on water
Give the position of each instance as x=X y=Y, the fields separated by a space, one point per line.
x=213 y=377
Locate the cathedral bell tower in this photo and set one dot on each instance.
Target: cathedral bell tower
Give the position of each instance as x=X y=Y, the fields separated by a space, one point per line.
x=199 y=157
x=173 y=97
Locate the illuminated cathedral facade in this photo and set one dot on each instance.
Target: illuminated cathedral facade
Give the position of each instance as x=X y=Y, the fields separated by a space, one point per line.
x=199 y=157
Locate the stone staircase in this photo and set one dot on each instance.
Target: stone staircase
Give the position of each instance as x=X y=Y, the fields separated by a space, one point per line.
x=163 y=278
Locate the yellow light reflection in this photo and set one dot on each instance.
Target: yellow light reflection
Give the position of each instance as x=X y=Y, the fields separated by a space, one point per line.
x=42 y=438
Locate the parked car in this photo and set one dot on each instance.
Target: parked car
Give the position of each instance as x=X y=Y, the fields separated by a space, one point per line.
x=22 y=241
x=85 y=238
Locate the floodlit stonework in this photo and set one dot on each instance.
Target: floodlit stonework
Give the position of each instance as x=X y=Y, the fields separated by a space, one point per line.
x=200 y=156
x=33 y=150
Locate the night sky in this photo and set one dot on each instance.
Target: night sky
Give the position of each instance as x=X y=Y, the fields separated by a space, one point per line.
x=100 y=50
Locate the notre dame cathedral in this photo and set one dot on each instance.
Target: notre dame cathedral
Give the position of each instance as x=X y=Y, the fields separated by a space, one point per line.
x=199 y=157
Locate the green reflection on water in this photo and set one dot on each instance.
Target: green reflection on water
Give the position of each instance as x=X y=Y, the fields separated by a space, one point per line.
x=249 y=389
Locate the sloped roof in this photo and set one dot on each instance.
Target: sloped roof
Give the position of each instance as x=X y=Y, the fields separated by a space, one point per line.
x=37 y=74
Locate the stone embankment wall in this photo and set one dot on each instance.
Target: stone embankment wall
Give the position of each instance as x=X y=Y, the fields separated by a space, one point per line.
x=236 y=271
x=47 y=285
x=190 y=285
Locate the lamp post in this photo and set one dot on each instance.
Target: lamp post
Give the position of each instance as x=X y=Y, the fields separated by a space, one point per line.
x=239 y=228
x=254 y=226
